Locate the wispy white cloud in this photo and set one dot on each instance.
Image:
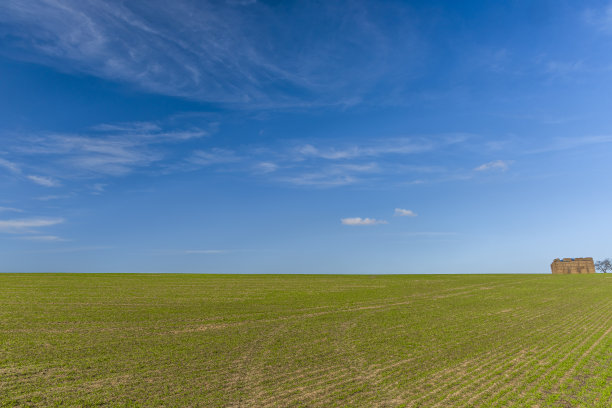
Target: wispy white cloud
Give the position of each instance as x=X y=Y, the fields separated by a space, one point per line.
x=310 y=150
x=319 y=180
x=401 y=212
x=564 y=68
x=358 y=221
x=567 y=143
x=148 y=132
x=98 y=188
x=219 y=51
x=105 y=150
x=425 y=234
x=42 y=238
x=400 y=146
x=498 y=60
x=53 y=197
x=94 y=156
x=206 y=251
x=116 y=150
x=213 y=156
x=10 y=166
x=27 y=225
x=265 y=167
x=429 y=234
x=331 y=175
x=331 y=166
x=501 y=165
x=44 y=181
x=326 y=166
x=600 y=17
x=130 y=127
x=10 y=209
x=62 y=250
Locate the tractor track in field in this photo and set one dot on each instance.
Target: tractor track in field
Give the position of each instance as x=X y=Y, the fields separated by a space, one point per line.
x=267 y=341
x=509 y=377
x=355 y=308
x=459 y=370
x=330 y=382
x=348 y=376
x=459 y=374
x=584 y=355
x=591 y=326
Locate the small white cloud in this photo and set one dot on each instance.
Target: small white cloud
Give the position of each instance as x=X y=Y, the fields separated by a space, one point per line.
x=501 y=165
x=24 y=225
x=400 y=212
x=44 y=181
x=361 y=221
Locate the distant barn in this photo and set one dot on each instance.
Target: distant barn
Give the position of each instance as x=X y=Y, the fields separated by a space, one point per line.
x=568 y=266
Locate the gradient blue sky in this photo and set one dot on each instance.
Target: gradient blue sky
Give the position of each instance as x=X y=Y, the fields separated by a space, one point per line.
x=304 y=137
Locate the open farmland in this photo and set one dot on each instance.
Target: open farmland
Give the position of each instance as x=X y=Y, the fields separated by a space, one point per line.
x=287 y=340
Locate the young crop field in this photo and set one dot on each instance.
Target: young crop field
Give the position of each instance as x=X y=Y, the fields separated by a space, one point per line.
x=305 y=341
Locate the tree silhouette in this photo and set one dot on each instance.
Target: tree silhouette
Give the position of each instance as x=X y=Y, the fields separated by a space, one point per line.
x=604 y=265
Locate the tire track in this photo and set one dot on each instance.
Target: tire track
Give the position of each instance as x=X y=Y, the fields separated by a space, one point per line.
x=507 y=376
x=489 y=365
x=523 y=391
x=483 y=363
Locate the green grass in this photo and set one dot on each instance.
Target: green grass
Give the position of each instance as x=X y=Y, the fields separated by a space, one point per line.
x=286 y=340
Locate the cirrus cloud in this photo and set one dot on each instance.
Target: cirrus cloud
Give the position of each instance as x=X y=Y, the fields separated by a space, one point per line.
x=501 y=165
x=218 y=51
x=44 y=181
x=26 y=225
x=10 y=209
x=43 y=238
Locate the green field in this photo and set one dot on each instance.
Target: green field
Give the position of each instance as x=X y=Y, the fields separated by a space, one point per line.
x=295 y=340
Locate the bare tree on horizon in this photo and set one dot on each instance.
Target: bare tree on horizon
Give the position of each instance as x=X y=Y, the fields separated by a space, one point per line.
x=604 y=266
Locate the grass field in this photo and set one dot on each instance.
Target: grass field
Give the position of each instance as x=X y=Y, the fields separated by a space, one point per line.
x=286 y=340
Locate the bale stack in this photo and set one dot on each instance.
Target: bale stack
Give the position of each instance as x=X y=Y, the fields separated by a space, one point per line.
x=567 y=266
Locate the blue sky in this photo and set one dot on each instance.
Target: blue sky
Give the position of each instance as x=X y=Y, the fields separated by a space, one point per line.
x=304 y=137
